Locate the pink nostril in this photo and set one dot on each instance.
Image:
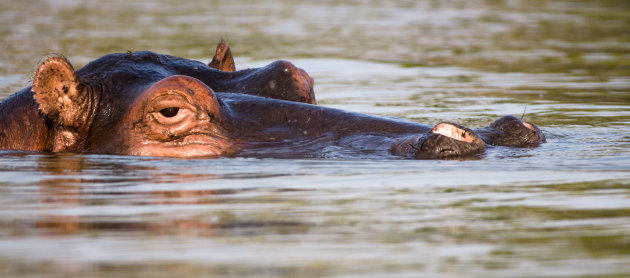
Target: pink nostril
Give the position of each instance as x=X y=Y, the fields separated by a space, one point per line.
x=452 y=131
x=530 y=126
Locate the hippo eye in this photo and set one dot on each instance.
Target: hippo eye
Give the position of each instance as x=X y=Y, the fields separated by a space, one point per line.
x=169 y=112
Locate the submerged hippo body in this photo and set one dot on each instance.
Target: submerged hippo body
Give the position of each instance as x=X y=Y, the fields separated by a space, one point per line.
x=142 y=103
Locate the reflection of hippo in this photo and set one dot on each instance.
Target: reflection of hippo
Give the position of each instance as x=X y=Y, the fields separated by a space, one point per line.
x=143 y=103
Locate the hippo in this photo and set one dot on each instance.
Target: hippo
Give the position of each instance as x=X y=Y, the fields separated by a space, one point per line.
x=148 y=104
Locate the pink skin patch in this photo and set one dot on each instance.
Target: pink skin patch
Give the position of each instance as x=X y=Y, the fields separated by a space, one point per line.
x=452 y=131
x=530 y=126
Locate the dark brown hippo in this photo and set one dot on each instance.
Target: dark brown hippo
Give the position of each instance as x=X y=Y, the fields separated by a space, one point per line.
x=142 y=103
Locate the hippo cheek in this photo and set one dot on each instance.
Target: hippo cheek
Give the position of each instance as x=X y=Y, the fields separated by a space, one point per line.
x=448 y=140
x=179 y=116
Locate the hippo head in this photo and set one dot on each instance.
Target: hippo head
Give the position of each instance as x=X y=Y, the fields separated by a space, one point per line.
x=174 y=116
x=448 y=140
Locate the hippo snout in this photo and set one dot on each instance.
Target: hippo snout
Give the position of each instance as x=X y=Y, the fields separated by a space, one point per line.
x=448 y=140
x=512 y=132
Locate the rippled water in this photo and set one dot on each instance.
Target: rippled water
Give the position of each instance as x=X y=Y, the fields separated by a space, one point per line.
x=559 y=210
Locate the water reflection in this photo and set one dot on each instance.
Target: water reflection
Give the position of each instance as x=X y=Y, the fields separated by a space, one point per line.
x=77 y=200
x=238 y=220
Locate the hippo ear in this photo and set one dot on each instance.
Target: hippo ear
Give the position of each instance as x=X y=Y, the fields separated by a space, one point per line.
x=59 y=94
x=223 y=59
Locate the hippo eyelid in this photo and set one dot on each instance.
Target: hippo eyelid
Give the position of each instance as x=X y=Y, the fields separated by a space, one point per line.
x=170 y=101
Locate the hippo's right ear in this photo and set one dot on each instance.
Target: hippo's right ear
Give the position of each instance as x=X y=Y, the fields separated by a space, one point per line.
x=59 y=93
x=223 y=59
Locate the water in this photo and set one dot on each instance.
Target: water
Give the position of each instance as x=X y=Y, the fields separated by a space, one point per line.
x=559 y=210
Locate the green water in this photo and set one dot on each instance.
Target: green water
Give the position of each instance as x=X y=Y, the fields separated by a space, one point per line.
x=559 y=210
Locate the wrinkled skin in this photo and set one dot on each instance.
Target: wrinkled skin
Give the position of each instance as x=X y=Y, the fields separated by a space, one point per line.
x=142 y=103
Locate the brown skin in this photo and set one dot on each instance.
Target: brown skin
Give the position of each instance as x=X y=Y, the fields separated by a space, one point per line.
x=147 y=104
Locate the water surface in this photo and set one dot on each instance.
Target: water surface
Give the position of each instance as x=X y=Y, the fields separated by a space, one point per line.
x=559 y=210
